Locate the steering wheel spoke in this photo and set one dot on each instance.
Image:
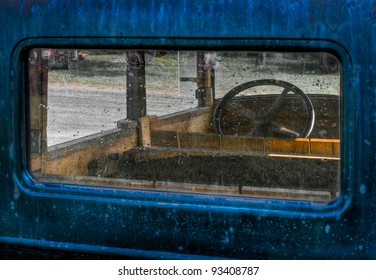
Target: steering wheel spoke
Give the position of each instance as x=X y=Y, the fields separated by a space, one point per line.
x=284 y=131
x=241 y=109
x=278 y=102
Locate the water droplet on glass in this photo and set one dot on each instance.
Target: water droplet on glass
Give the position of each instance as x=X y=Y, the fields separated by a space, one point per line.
x=363 y=189
x=327 y=228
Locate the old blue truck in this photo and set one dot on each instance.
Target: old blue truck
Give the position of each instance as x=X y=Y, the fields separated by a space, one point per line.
x=192 y=129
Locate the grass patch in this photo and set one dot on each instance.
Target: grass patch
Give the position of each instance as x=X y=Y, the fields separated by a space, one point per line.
x=110 y=70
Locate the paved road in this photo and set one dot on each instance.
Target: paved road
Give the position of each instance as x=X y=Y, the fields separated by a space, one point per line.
x=77 y=111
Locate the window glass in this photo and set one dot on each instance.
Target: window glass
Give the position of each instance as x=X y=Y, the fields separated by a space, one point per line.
x=248 y=124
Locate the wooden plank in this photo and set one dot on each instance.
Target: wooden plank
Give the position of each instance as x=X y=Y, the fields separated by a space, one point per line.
x=326 y=147
x=136 y=85
x=73 y=158
x=145 y=131
x=300 y=146
x=38 y=91
x=291 y=194
x=199 y=140
x=36 y=163
x=242 y=143
x=115 y=183
x=287 y=146
x=166 y=139
x=193 y=120
x=116 y=138
x=203 y=71
x=196 y=188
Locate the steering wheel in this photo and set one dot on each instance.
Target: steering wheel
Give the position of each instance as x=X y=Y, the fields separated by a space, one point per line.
x=262 y=108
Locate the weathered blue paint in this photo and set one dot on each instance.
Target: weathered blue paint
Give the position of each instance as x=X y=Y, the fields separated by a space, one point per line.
x=140 y=223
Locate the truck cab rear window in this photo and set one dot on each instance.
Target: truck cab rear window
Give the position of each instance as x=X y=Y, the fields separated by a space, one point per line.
x=229 y=123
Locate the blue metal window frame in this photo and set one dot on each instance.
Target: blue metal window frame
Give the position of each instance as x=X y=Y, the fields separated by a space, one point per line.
x=183 y=200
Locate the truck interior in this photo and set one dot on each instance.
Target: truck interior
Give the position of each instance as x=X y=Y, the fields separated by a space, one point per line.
x=246 y=124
